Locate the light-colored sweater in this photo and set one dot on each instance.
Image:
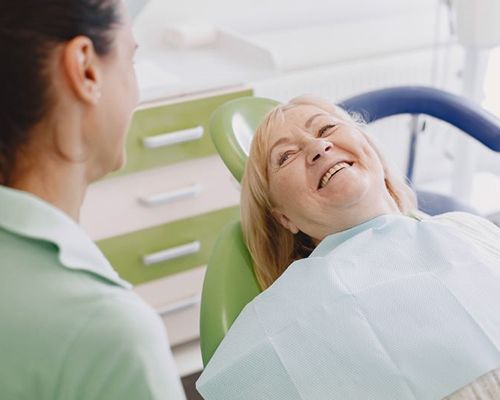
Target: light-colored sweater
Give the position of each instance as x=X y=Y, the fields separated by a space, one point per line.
x=487 y=387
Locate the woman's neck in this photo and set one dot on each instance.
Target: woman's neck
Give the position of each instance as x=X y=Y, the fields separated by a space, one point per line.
x=374 y=206
x=63 y=186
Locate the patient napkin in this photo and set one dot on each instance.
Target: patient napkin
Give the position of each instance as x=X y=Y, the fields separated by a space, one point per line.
x=394 y=308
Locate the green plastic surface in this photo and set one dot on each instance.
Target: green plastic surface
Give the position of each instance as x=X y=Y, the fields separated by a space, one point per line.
x=125 y=252
x=170 y=118
x=230 y=282
x=229 y=285
x=234 y=121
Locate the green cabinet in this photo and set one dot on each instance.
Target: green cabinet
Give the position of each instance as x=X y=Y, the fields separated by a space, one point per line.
x=167 y=134
x=186 y=243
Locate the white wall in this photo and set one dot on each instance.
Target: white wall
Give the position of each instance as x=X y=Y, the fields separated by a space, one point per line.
x=257 y=15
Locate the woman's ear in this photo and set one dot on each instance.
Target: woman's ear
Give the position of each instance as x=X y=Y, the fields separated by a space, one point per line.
x=285 y=221
x=81 y=65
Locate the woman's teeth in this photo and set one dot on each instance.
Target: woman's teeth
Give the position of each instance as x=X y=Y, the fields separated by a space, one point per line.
x=332 y=171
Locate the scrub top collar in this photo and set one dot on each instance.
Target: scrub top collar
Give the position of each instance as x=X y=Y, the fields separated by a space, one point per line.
x=334 y=240
x=27 y=215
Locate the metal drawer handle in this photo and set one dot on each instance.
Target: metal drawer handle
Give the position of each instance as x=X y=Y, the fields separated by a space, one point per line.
x=171 y=138
x=170 y=254
x=179 y=306
x=169 y=197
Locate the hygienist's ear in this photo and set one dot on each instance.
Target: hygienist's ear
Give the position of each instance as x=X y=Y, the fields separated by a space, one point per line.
x=82 y=68
x=285 y=222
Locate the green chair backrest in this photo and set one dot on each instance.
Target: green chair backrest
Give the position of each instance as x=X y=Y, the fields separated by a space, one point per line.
x=232 y=127
x=230 y=282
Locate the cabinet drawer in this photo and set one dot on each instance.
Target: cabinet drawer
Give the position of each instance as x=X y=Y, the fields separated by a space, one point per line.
x=167 y=134
x=157 y=196
x=183 y=323
x=166 y=249
x=177 y=300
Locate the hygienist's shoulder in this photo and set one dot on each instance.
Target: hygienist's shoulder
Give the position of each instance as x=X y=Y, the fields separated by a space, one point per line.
x=91 y=337
x=120 y=352
x=120 y=322
x=90 y=307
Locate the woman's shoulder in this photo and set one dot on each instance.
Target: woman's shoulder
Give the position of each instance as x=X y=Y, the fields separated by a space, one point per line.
x=479 y=230
x=465 y=221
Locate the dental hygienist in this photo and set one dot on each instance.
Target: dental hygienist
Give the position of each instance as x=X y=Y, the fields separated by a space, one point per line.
x=70 y=328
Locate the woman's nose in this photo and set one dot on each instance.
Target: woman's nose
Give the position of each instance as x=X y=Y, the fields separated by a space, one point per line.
x=317 y=149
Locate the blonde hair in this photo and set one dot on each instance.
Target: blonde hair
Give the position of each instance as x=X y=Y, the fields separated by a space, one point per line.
x=272 y=247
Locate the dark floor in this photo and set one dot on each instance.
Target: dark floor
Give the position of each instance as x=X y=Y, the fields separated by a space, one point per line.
x=189 y=386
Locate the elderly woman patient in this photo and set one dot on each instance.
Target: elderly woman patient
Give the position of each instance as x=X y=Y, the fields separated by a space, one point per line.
x=363 y=299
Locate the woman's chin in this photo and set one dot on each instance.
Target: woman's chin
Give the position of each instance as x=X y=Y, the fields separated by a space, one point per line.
x=122 y=160
x=112 y=166
x=346 y=190
x=119 y=163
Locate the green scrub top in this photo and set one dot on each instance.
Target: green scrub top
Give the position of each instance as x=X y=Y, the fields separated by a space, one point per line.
x=70 y=328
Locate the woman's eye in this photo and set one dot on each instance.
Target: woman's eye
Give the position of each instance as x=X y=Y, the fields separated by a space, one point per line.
x=326 y=130
x=283 y=157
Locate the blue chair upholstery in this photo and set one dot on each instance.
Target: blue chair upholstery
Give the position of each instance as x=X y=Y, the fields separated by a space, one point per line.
x=457 y=111
x=435 y=203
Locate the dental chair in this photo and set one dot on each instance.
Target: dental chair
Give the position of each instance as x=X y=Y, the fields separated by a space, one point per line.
x=229 y=281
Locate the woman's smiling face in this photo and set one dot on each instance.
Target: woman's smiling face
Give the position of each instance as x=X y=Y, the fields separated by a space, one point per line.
x=321 y=170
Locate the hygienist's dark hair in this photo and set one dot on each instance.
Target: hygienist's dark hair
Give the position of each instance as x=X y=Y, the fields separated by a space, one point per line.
x=29 y=30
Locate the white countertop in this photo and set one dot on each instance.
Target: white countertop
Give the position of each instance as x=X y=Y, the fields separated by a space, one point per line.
x=171 y=73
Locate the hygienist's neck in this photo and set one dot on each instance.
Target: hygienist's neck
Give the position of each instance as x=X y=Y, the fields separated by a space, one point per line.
x=63 y=186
